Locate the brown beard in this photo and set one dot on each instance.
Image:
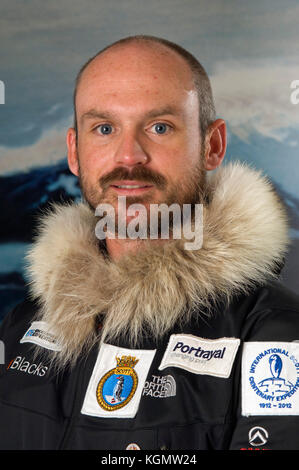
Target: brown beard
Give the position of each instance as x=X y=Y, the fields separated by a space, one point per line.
x=190 y=189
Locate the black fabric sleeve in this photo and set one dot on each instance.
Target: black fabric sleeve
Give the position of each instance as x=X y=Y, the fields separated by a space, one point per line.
x=12 y=328
x=267 y=384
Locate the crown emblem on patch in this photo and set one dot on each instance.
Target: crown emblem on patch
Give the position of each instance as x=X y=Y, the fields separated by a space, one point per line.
x=126 y=361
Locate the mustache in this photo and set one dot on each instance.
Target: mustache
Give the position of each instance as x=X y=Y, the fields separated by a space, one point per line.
x=137 y=173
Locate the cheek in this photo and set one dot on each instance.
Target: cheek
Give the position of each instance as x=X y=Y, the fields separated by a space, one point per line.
x=180 y=161
x=93 y=162
x=193 y=146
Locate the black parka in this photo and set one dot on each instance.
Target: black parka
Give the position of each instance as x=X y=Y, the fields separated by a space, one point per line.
x=40 y=407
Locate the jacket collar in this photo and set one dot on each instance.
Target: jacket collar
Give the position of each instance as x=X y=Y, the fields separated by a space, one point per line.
x=244 y=239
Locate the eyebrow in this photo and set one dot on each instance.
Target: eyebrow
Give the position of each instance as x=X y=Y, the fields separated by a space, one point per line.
x=96 y=114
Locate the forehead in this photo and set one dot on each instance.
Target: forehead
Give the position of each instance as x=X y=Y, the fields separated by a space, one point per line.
x=136 y=76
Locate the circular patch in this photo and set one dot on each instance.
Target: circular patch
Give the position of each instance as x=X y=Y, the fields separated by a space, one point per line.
x=117 y=387
x=258 y=436
x=274 y=375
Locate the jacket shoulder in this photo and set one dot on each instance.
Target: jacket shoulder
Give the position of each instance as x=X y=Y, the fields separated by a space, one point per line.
x=273 y=314
x=18 y=319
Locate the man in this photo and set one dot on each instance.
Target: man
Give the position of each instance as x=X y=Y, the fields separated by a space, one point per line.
x=203 y=341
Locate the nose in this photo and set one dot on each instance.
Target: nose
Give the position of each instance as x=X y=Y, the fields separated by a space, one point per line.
x=130 y=151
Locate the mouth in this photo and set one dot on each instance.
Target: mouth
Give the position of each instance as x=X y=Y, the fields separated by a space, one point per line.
x=131 y=188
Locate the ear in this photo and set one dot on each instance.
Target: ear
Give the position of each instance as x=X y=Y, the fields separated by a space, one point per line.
x=215 y=144
x=72 y=155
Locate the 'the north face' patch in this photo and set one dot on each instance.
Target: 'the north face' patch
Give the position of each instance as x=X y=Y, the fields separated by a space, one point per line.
x=270 y=378
x=117 y=381
x=39 y=334
x=201 y=356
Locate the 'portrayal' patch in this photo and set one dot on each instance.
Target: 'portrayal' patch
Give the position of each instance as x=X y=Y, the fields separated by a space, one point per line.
x=117 y=381
x=39 y=334
x=270 y=378
x=201 y=356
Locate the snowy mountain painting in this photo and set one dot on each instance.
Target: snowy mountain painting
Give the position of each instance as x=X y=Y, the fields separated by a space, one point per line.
x=24 y=196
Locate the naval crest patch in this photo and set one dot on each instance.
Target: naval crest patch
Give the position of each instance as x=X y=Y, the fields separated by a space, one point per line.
x=117 y=387
x=117 y=381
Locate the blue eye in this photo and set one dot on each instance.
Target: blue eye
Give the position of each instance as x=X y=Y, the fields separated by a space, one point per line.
x=104 y=129
x=160 y=128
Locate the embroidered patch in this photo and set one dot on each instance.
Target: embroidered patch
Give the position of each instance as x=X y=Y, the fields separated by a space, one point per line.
x=258 y=436
x=201 y=356
x=160 y=387
x=39 y=334
x=117 y=381
x=270 y=378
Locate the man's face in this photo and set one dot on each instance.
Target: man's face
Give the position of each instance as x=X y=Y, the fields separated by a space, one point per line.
x=138 y=129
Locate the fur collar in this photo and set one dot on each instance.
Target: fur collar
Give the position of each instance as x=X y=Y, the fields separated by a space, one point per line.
x=244 y=239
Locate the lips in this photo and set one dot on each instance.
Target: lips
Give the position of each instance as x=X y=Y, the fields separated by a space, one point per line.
x=126 y=187
x=129 y=186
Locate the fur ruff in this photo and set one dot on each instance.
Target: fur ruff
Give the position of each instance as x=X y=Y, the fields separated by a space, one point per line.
x=147 y=292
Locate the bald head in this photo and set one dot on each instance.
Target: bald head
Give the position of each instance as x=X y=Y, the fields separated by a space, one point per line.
x=154 y=59
x=126 y=61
